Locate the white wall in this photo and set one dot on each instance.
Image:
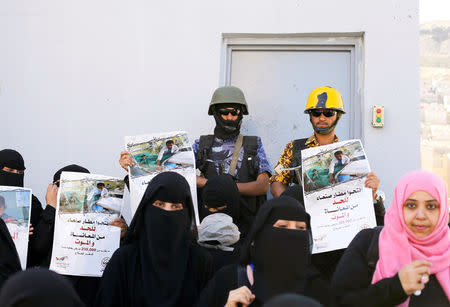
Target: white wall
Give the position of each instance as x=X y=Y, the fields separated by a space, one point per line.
x=77 y=76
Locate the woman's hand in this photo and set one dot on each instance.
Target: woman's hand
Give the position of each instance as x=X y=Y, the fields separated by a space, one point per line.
x=201 y=181
x=51 y=196
x=411 y=276
x=120 y=222
x=126 y=160
x=241 y=295
x=373 y=183
x=31 y=230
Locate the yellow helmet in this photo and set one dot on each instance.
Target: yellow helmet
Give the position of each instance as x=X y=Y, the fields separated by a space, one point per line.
x=325 y=97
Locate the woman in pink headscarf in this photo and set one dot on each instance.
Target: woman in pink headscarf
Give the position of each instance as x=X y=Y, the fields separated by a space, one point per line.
x=408 y=262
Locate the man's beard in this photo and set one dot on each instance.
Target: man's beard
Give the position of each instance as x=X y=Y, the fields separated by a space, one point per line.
x=325 y=130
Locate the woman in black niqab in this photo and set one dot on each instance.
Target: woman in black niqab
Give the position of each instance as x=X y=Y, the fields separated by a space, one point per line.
x=13 y=160
x=280 y=256
x=221 y=195
x=275 y=259
x=158 y=265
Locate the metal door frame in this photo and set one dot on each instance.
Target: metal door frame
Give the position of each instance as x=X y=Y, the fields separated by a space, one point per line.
x=345 y=42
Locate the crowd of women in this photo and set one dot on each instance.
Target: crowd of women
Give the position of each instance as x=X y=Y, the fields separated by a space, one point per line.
x=235 y=259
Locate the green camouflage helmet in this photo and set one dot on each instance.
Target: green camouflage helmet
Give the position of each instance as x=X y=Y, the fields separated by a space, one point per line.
x=228 y=94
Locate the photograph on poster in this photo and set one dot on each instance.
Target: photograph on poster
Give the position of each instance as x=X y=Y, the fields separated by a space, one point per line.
x=15 y=207
x=91 y=195
x=160 y=154
x=335 y=195
x=333 y=167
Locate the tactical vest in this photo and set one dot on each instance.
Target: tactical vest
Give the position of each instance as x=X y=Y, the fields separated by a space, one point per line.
x=248 y=171
x=297 y=147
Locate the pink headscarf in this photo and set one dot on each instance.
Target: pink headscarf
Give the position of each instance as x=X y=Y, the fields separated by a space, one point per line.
x=398 y=246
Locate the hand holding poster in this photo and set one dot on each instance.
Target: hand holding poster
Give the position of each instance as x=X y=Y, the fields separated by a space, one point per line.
x=83 y=240
x=15 y=210
x=334 y=193
x=156 y=153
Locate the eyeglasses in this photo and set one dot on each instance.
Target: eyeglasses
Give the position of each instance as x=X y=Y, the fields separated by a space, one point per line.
x=225 y=111
x=325 y=112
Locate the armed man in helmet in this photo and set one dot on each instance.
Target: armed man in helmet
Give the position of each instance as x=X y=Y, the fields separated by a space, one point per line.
x=228 y=152
x=325 y=107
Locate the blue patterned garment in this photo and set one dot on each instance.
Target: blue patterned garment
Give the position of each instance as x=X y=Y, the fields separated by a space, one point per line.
x=222 y=152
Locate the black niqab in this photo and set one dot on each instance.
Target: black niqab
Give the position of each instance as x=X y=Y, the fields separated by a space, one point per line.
x=38 y=287
x=11 y=159
x=280 y=256
x=222 y=190
x=9 y=259
x=162 y=238
x=227 y=129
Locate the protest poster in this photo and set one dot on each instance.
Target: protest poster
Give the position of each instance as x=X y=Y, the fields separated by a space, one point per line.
x=84 y=241
x=340 y=206
x=156 y=153
x=15 y=210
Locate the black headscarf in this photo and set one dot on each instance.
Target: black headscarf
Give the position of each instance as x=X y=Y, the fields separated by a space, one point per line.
x=38 y=287
x=9 y=259
x=163 y=238
x=11 y=159
x=222 y=190
x=227 y=129
x=295 y=191
x=69 y=168
x=280 y=256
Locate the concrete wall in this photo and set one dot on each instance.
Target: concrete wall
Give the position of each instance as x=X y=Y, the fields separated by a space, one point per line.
x=77 y=76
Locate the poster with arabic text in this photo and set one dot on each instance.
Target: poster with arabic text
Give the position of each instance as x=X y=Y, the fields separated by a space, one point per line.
x=340 y=206
x=84 y=240
x=156 y=153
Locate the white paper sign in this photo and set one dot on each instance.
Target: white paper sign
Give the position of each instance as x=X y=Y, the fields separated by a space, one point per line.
x=15 y=210
x=156 y=153
x=84 y=241
x=339 y=204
